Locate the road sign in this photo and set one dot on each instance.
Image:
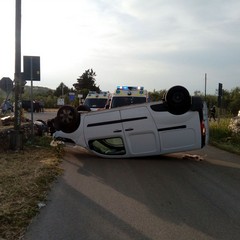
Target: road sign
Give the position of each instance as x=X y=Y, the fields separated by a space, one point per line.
x=31 y=65
x=71 y=96
x=220 y=90
x=60 y=101
x=6 y=84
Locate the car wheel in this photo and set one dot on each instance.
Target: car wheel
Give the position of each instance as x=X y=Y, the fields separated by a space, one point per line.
x=68 y=119
x=178 y=100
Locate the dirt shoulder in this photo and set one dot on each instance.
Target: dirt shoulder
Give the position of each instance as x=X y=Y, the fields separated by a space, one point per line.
x=25 y=179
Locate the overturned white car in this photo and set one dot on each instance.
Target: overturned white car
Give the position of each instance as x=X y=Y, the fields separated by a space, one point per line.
x=175 y=124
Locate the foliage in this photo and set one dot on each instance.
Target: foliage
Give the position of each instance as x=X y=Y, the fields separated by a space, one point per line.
x=222 y=137
x=61 y=90
x=4 y=95
x=230 y=101
x=41 y=94
x=156 y=95
x=219 y=129
x=86 y=83
x=234 y=101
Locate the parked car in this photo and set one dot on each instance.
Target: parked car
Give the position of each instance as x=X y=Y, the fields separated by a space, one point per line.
x=176 y=124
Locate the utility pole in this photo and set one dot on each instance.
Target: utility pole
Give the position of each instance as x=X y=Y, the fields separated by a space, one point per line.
x=205 y=86
x=16 y=136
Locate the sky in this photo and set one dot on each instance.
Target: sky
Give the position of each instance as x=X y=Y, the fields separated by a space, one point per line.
x=151 y=43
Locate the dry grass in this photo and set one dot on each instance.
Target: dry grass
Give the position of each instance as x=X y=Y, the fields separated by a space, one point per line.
x=25 y=179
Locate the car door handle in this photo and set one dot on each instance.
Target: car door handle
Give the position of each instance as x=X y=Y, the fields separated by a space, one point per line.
x=117 y=130
x=129 y=129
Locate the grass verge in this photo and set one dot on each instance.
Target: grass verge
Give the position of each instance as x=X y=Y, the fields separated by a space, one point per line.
x=222 y=137
x=25 y=179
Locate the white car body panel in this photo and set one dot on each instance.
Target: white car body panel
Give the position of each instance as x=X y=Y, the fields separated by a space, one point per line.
x=102 y=124
x=144 y=132
x=140 y=133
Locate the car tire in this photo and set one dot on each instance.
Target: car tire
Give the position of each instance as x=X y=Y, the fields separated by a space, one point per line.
x=68 y=119
x=178 y=100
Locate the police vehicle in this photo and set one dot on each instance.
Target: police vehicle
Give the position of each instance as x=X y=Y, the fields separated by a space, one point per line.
x=177 y=123
x=127 y=95
x=97 y=101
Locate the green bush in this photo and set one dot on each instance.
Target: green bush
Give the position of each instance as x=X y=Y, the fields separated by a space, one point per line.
x=219 y=130
x=222 y=137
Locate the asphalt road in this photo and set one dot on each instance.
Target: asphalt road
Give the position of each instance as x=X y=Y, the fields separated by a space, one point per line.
x=162 y=197
x=47 y=114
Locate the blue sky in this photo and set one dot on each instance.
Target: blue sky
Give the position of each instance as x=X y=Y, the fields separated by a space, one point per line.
x=155 y=43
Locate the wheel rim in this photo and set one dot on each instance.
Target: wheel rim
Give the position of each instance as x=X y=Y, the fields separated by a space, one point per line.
x=66 y=116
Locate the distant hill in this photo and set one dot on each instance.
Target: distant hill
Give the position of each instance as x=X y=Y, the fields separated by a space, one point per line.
x=39 y=93
x=27 y=89
x=37 y=90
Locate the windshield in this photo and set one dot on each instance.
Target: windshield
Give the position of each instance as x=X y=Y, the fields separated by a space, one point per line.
x=124 y=101
x=95 y=102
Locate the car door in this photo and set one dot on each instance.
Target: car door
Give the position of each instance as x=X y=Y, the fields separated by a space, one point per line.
x=178 y=132
x=140 y=131
x=103 y=133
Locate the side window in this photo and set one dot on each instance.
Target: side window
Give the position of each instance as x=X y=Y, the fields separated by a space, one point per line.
x=108 y=146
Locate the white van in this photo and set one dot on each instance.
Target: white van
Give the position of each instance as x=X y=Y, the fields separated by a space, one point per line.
x=97 y=101
x=127 y=95
x=176 y=124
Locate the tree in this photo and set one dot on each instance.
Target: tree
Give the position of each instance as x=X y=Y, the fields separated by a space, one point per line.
x=234 y=103
x=61 y=90
x=156 y=95
x=86 y=83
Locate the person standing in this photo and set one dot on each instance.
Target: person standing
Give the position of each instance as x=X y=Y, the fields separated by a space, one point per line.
x=212 y=113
